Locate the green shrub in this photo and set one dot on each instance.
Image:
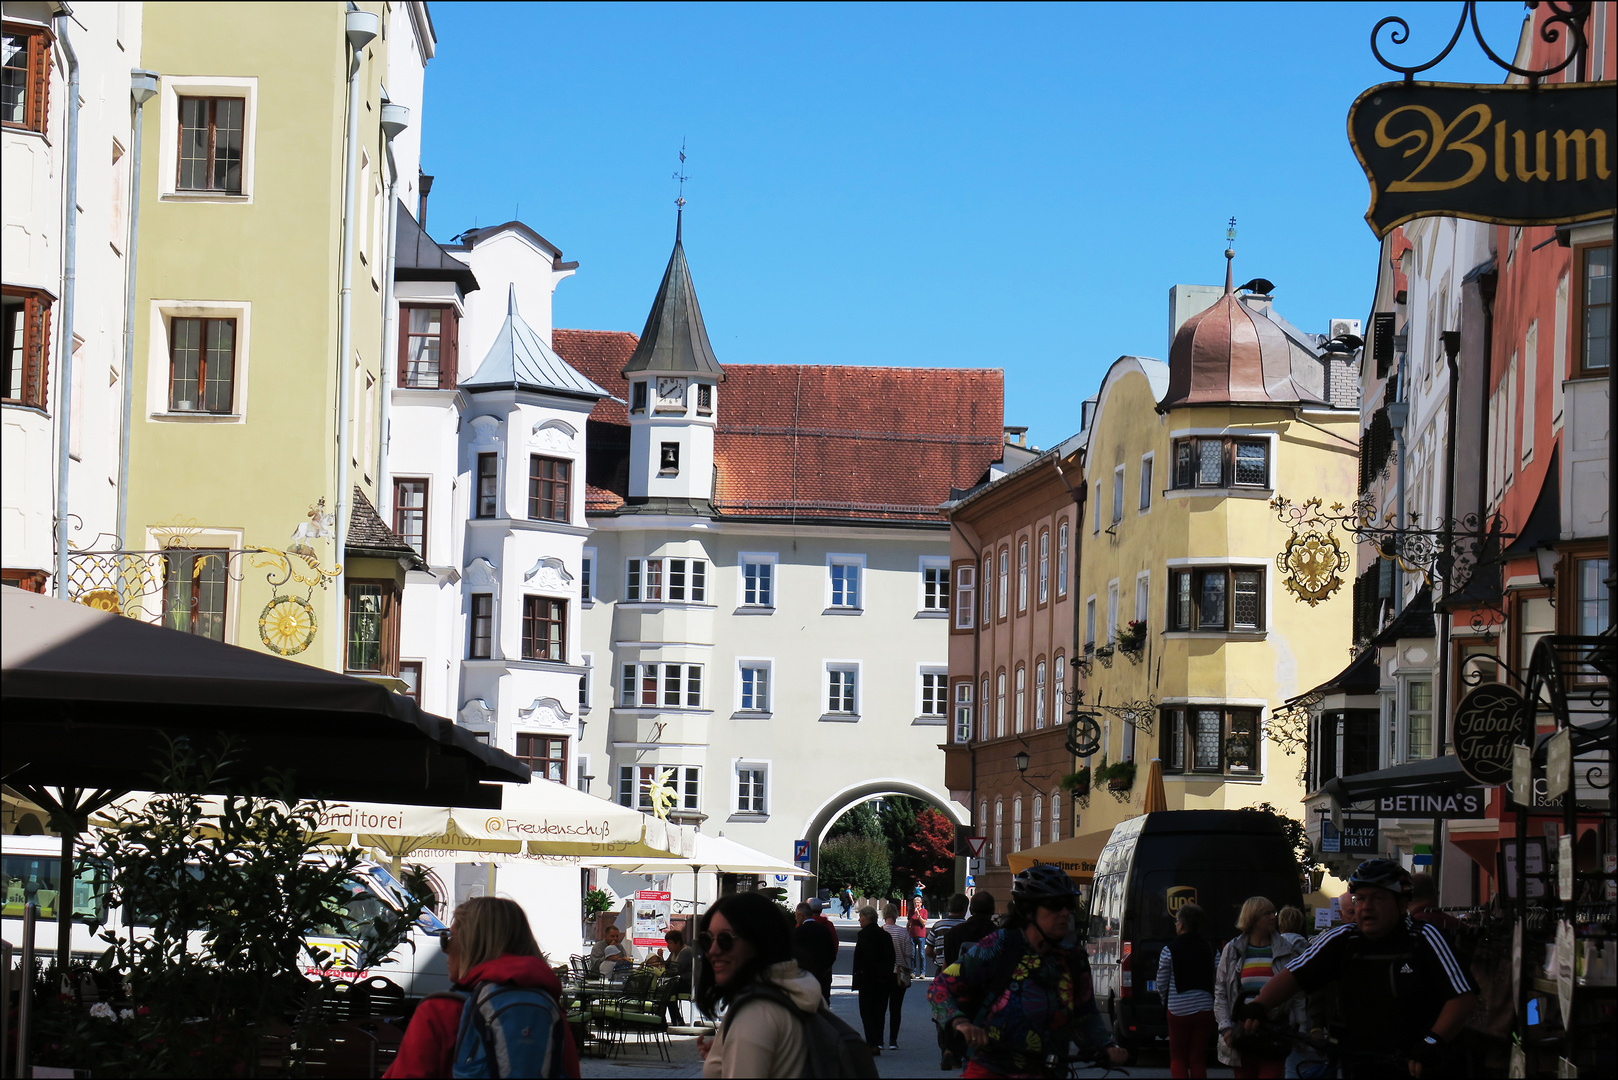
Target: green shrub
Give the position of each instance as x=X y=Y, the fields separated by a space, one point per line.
x=856 y=862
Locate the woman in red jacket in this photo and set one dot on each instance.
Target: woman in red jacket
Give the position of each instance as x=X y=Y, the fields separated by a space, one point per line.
x=489 y=942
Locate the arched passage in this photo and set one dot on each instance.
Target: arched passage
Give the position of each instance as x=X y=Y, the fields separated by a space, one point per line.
x=835 y=806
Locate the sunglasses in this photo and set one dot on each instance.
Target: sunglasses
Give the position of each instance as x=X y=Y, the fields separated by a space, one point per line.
x=443 y=937
x=724 y=939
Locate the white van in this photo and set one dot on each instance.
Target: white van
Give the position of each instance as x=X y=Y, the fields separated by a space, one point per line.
x=30 y=871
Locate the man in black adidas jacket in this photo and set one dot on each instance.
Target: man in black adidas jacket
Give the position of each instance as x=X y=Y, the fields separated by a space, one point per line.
x=1401 y=990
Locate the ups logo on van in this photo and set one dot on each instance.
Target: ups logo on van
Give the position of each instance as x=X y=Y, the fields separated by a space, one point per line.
x=1181 y=895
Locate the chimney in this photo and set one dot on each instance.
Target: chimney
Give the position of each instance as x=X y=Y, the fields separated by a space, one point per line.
x=424 y=187
x=1016 y=436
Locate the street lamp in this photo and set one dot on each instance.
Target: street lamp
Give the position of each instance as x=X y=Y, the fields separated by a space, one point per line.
x=1022 y=761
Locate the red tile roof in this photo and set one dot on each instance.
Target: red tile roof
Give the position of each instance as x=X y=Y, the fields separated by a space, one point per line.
x=813 y=440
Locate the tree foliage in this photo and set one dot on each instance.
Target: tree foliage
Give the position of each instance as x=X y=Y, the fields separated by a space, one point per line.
x=858 y=820
x=855 y=862
x=931 y=855
x=224 y=893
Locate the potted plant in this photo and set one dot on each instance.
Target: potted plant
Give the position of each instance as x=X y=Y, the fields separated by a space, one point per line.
x=597 y=902
x=1119 y=776
x=1134 y=636
x=1077 y=782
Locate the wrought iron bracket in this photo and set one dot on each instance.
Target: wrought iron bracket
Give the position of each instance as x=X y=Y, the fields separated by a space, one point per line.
x=1566 y=13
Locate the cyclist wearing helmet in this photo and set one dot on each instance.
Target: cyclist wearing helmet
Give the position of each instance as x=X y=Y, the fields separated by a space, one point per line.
x=1021 y=992
x=1400 y=989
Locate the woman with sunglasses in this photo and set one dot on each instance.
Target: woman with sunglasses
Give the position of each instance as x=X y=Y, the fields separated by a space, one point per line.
x=488 y=942
x=744 y=943
x=1019 y=994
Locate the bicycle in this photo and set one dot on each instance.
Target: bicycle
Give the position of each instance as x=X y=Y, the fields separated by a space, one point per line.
x=1065 y=1065
x=1339 y=1054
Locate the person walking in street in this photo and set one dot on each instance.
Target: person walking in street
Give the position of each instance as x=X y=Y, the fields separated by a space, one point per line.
x=745 y=945
x=948 y=1059
x=1399 y=987
x=489 y=946
x=1023 y=992
x=848 y=902
x=1249 y=961
x=874 y=976
x=815 y=947
x=934 y=943
x=979 y=922
x=916 y=924
x=1185 y=979
x=902 y=971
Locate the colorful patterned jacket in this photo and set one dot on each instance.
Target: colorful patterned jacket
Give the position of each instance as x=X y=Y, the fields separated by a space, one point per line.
x=1041 y=1002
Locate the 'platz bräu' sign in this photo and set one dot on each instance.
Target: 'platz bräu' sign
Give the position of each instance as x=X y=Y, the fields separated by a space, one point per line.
x=1512 y=155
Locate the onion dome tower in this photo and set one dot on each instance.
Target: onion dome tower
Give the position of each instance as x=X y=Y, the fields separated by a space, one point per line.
x=1232 y=355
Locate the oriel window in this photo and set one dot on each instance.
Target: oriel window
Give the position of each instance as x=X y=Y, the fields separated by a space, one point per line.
x=27 y=77
x=1596 y=332
x=549 y=484
x=428 y=343
x=211 y=132
x=544 y=628
x=202 y=361
x=546 y=755
x=488 y=485
x=370 y=611
x=1220 y=462
x=24 y=347
x=1216 y=599
x=410 y=513
x=480 y=630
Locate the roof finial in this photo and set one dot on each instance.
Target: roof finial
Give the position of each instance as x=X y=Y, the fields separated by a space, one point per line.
x=511 y=300
x=679 y=199
x=1230 y=255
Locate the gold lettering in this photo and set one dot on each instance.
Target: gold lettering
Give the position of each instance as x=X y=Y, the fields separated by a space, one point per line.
x=1579 y=140
x=1541 y=172
x=1435 y=143
x=1500 y=173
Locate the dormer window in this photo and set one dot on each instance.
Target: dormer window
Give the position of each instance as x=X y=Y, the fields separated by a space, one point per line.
x=669 y=460
x=704 y=399
x=637 y=397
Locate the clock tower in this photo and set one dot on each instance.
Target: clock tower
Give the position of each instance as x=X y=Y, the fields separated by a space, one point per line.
x=673 y=397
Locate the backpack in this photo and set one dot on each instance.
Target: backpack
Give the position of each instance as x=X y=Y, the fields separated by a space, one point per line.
x=832 y=1047
x=506 y=1031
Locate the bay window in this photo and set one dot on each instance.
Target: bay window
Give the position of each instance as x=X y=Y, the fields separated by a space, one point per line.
x=1210 y=739
x=667 y=686
x=1216 y=599
x=1221 y=462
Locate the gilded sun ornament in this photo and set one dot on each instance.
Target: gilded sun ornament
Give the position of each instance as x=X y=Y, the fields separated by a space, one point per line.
x=287 y=625
x=1311 y=561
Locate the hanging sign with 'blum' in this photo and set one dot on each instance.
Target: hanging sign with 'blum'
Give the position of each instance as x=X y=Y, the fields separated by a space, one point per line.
x=1512 y=155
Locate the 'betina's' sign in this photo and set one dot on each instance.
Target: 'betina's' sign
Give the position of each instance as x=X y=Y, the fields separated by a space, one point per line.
x=1486 y=725
x=1512 y=155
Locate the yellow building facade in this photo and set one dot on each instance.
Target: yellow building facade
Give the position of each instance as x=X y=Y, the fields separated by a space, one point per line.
x=254 y=417
x=1191 y=641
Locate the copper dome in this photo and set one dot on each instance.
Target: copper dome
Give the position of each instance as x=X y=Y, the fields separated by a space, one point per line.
x=1231 y=355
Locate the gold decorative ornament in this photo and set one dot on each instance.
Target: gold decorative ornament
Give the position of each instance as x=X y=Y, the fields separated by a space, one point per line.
x=102 y=600
x=1311 y=561
x=664 y=794
x=287 y=625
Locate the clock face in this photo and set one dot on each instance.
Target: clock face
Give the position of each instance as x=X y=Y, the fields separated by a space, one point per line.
x=671 y=394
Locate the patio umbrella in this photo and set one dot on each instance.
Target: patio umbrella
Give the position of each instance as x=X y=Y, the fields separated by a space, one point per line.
x=1156 y=798
x=89 y=697
x=1076 y=855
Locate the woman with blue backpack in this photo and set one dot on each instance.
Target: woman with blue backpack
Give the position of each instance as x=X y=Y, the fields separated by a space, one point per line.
x=505 y=1017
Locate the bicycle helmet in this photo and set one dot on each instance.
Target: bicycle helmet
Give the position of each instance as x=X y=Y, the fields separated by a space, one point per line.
x=1382 y=874
x=1039 y=882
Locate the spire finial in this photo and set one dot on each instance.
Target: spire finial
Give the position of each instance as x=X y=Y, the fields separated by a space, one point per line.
x=511 y=300
x=1230 y=255
x=679 y=199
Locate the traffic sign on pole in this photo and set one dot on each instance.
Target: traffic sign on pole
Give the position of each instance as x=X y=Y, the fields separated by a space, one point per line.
x=975 y=844
x=800 y=851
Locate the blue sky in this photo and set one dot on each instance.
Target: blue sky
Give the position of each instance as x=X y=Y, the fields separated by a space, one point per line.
x=998 y=186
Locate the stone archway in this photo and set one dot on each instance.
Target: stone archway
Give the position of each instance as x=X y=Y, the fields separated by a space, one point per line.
x=841 y=802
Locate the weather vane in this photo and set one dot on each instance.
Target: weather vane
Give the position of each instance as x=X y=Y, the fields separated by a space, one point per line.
x=679 y=174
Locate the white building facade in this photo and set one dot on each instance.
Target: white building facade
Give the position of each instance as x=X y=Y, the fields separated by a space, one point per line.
x=63 y=334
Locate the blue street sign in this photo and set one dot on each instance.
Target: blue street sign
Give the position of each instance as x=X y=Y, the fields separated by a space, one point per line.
x=971 y=881
x=800 y=851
